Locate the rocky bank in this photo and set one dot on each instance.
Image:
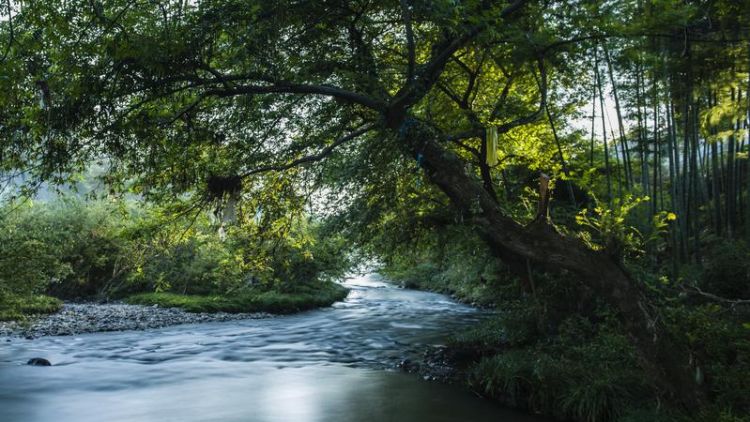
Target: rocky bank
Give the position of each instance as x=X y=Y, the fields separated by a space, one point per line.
x=90 y=318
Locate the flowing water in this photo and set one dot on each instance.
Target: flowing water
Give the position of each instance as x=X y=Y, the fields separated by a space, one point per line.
x=325 y=365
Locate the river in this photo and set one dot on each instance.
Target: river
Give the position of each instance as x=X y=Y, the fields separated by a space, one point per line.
x=333 y=364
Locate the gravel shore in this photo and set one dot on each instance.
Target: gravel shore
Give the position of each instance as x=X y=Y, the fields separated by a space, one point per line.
x=90 y=318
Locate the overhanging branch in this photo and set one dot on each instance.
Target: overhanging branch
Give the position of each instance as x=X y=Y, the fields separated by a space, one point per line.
x=282 y=87
x=410 y=47
x=426 y=78
x=477 y=131
x=505 y=127
x=314 y=157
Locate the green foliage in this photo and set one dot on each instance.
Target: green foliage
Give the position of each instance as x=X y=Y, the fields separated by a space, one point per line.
x=560 y=351
x=13 y=307
x=419 y=275
x=197 y=264
x=92 y=247
x=584 y=373
x=485 y=339
x=726 y=271
x=67 y=248
x=721 y=346
x=609 y=226
x=450 y=260
x=89 y=249
x=29 y=258
x=313 y=295
x=177 y=96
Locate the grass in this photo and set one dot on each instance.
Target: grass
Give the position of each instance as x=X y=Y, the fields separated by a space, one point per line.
x=14 y=307
x=455 y=281
x=568 y=376
x=254 y=300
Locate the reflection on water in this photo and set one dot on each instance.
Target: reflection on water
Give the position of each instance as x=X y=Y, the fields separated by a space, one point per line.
x=324 y=365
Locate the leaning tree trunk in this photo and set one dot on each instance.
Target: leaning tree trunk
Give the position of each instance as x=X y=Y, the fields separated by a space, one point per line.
x=666 y=362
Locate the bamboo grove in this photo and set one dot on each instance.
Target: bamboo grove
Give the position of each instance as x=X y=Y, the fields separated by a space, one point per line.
x=670 y=112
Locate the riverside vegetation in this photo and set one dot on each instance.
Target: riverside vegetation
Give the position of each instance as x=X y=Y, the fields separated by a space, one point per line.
x=581 y=165
x=555 y=348
x=102 y=251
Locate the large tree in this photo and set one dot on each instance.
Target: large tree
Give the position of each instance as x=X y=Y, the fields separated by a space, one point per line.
x=220 y=95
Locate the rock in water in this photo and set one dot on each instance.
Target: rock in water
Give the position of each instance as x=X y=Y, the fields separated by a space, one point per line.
x=38 y=362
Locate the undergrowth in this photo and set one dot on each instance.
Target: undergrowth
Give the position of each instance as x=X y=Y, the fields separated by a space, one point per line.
x=13 y=307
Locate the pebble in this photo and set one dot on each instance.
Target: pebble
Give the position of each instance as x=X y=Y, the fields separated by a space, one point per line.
x=436 y=364
x=77 y=318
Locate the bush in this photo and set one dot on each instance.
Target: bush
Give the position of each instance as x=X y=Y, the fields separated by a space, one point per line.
x=462 y=267
x=68 y=249
x=720 y=343
x=30 y=253
x=92 y=246
x=727 y=270
x=251 y=300
x=18 y=307
x=89 y=249
x=195 y=265
x=584 y=373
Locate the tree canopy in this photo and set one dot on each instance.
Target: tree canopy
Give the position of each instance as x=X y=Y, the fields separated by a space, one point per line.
x=385 y=113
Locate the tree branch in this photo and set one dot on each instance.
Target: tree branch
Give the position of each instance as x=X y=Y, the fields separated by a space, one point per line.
x=467 y=147
x=542 y=103
x=477 y=131
x=282 y=87
x=11 y=38
x=411 y=93
x=731 y=302
x=463 y=135
x=447 y=91
x=410 y=47
x=503 y=96
x=314 y=157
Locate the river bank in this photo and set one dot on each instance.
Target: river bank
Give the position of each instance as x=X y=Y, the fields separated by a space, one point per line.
x=155 y=310
x=80 y=318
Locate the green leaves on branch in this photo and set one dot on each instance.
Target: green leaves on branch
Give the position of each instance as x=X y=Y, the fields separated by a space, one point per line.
x=609 y=227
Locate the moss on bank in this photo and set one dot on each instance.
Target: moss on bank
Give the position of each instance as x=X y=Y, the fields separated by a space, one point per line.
x=300 y=298
x=13 y=307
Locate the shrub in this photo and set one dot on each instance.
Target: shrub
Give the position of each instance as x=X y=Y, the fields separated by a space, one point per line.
x=727 y=270
x=14 y=307
x=250 y=300
x=85 y=249
x=195 y=265
x=585 y=372
x=30 y=252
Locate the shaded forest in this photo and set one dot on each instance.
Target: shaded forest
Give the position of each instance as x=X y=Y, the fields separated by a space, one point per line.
x=581 y=166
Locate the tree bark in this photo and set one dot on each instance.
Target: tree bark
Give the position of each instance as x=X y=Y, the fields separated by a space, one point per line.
x=747 y=127
x=485 y=171
x=620 y=125
x=563 y=162
x=671 y=137
x=607 y=169
x=730 y=193
x=640 y=101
